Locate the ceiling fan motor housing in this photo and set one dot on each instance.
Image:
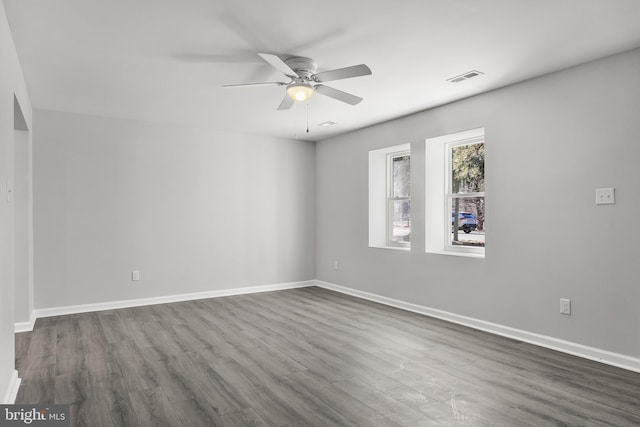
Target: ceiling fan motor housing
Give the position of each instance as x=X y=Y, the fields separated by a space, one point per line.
x=304 y=67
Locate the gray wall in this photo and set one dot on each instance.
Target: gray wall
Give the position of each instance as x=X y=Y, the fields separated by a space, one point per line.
x=11 y=85
x=549 y=143
x=193 y=210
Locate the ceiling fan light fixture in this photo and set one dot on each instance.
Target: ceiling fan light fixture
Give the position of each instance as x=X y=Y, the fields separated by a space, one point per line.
x=300 y=91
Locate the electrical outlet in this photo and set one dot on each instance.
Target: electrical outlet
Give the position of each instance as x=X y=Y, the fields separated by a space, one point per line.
x=605 y=196
x=135 y=275
x=565 y=306
x=336 y=266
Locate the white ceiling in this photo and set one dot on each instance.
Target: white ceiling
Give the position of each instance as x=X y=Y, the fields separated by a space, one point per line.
x=166 y=60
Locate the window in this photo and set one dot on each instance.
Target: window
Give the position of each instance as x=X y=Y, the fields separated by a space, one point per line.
x=455 y=220
x=465 y=193
x=390 y=197
x=399 y=199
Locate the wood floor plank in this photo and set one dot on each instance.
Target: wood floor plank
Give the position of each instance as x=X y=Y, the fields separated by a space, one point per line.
x=244 y=418
x=196 y=413
x=152 y=408
x=336 y=402
x=274 y=406
x=307 y=357
x=381 y=402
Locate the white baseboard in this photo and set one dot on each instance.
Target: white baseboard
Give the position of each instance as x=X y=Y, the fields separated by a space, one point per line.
x=12 y=390
x=85 y=308
x=25 y=326
x=591 y=353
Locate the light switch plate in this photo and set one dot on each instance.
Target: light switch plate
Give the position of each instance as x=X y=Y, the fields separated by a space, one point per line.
x=565 y=306
x=605 y=196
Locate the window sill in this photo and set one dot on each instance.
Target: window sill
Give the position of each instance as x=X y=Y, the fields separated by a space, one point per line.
x=463 y=254
x=395 y=248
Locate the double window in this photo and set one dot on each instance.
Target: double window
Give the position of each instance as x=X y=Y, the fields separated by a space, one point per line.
x=454 y=218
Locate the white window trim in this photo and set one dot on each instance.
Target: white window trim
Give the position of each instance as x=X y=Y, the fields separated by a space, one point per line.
x=437 y=189
x=379 y=182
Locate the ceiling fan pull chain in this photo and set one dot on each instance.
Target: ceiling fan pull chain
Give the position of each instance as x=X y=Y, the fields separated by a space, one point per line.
x=307 y=117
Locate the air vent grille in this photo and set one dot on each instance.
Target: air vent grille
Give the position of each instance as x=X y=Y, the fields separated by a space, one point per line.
x=326 y=124
x=465 y=76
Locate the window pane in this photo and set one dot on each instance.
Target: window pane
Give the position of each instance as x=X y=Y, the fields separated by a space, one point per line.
x=401 y=221
x=469 y=227
x=401 y=176
x=467 y=168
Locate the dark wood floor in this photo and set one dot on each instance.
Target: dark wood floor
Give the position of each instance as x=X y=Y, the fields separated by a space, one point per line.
x=307 y=357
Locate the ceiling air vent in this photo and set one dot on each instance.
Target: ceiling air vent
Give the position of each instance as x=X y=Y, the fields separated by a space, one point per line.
x=326 y=124
x=465 y=76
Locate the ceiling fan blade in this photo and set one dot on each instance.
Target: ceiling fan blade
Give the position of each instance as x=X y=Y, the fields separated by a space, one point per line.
x=278 y=64
x=338 y=94
x=257 y=84
x=287 y=102
x=343 y=73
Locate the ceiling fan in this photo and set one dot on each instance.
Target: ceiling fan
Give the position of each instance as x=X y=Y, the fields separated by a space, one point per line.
x=304 y=81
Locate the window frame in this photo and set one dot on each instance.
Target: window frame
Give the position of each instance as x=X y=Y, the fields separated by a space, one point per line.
x=378 y=191
x=449 y=195
x=437 y=214
x=391 y=199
